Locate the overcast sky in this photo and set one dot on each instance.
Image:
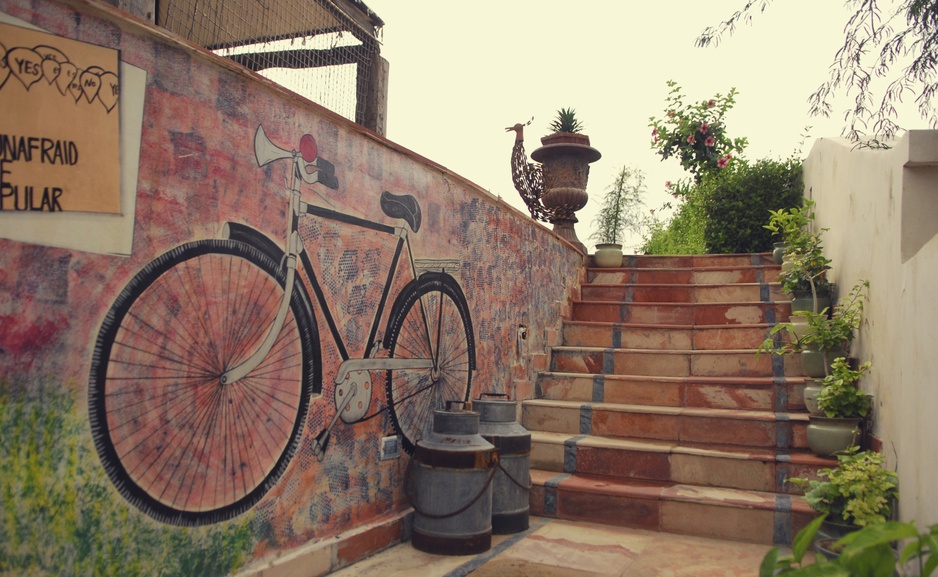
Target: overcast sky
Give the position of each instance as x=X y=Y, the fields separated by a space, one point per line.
x=460 y=72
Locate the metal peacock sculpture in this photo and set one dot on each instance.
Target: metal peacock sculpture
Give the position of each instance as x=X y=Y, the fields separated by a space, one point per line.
x=528 y=177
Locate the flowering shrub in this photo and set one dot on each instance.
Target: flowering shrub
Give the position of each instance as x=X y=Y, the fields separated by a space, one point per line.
x=694 y=133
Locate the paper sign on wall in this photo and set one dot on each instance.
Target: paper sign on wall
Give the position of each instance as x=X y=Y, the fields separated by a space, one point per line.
x=59 y=124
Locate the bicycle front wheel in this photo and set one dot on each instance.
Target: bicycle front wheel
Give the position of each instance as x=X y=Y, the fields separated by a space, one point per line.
x=178 y=444
x=429 y=320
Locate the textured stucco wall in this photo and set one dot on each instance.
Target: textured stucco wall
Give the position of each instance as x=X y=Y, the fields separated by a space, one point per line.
x=197 y=171
x=881 y=207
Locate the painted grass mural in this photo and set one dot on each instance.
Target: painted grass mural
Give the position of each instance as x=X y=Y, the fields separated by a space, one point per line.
x=61 y=514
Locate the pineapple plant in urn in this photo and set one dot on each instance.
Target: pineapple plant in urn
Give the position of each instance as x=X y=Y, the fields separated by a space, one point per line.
x=618 y=214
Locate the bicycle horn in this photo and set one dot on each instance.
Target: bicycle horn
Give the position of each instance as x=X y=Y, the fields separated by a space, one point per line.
x=266 y=151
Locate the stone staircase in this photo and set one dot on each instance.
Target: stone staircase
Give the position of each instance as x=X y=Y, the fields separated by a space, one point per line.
x=656 y=413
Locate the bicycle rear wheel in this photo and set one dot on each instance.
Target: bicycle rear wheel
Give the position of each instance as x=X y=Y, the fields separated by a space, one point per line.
x=178 y=444
x=429 y=320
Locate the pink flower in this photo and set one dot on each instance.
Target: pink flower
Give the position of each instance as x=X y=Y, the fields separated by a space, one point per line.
x=654 y=132
x=710 y=141
x=670 y=114
x=667 y=184
x=674 y=195
x=711 y=103
x=652 y=211
x=722 y=162
x=704 y=128
x=691 y=140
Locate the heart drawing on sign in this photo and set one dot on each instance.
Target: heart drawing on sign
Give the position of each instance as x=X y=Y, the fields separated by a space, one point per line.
x=67 y=74
x=4 y=69
x=90 y=84
x=109 y=91
x=25 y=65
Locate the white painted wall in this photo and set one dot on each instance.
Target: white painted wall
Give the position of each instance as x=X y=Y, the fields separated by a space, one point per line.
x=881 y=207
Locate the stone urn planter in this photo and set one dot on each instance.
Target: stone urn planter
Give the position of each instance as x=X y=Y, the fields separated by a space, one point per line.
x=566 y=158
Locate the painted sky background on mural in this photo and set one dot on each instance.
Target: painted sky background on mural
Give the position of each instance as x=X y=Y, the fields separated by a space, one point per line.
x=462 y=72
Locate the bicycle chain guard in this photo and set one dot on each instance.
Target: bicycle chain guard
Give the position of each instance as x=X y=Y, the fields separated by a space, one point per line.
x=353 y=396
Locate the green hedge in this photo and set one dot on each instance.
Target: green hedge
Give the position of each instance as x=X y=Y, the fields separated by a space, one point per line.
x=736 y=203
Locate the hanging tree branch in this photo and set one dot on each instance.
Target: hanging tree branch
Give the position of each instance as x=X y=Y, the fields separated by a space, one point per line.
x=873 y=46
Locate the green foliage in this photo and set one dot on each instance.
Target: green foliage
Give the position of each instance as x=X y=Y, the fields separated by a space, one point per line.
x=790 y=223
x=840 y=397
x=735 y=200
x=858 y=491
x=62 y=516
x=566 y=121
x=621 y=207
x=806 y=271
x=824 y=332
x=864 y=553
x=683 y=234
x=695 y=133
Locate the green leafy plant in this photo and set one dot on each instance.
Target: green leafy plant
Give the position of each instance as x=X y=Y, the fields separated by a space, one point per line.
x=566 y=121
x=822 y=332
x=858 y=491
x=683 y=234
x=790 y=223
x=840 y=397
x=864 y=553
x=620 y=208
x=735 y=199
x=695 y=133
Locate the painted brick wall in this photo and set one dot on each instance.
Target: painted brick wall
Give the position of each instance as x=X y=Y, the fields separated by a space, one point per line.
x=197 y=171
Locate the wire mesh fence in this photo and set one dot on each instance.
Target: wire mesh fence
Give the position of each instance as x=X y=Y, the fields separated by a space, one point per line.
x=324 y=50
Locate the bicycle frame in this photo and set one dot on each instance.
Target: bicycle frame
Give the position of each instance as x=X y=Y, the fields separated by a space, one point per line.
x=267 y=152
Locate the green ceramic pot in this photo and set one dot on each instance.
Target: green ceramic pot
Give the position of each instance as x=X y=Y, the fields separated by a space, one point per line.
x=827 y=436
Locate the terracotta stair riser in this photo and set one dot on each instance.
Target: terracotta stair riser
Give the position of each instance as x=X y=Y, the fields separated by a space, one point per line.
x=663 y=338
x=747 y=313
x=671 y=363
x=774 y=521
x=738 y=429
x=767 y=395
x=681 y=293
x=764 y=470
x=699 y=261
x=683 y=276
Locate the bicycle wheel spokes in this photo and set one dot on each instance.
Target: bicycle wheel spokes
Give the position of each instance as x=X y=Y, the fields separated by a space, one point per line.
x=174 y=439
x=431 y=322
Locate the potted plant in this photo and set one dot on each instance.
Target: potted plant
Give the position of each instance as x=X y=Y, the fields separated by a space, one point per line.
x=565 y=155
x=858 y=492
x=821 y=337
x=828 y=337
x=867 y=551
x=842 y=406
x=618 y=213
x=804 y=267
x=787 y=224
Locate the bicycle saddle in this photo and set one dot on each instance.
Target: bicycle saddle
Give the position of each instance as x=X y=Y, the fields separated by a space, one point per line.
x=403 y=206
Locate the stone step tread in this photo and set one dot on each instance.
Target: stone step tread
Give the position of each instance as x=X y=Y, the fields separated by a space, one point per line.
x=700 y=352
x=737 y=498
x=707 y=380
x=737 y=414
x=696 y=260
x=794 y=456
x=680 y=285
x=678 y=303
x=677 y=327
